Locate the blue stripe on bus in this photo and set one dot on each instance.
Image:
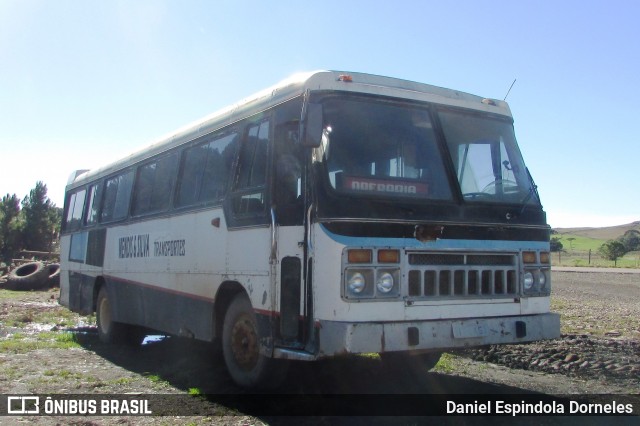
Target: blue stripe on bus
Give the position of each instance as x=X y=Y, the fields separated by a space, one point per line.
x=440 y=244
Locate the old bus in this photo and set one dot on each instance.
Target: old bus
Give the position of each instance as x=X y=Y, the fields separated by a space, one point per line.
x=330 y=214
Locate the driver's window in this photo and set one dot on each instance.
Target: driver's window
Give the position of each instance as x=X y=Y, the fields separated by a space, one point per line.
x=474 y=168
x=482 y=167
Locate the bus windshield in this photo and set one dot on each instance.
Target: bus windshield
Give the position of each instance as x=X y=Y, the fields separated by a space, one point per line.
x=389 y=149
x=486 y=158
x=376 y=148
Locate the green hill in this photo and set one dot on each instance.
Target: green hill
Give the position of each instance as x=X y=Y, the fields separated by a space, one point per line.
x=605 y=233
x=580 y=246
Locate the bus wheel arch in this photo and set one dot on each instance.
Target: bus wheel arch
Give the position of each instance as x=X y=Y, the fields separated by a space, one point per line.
x=227 y=291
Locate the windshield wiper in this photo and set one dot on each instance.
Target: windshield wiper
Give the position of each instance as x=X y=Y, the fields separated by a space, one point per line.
x=533 y=190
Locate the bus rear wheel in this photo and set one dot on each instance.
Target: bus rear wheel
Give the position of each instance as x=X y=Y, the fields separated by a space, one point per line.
x=241 y=348
x=109 y=331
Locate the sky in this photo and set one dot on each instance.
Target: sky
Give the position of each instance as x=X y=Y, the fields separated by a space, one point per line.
x=83 y=83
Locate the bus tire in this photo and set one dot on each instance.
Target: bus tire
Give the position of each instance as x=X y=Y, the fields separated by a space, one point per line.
x=403 y=363
x=109 y=331
x=30 y=276
x=241 y=348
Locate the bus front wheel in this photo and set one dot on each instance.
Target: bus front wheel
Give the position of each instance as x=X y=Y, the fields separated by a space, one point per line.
x=241 y=348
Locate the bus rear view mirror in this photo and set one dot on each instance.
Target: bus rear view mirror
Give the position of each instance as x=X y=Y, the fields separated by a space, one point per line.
x=313 y=132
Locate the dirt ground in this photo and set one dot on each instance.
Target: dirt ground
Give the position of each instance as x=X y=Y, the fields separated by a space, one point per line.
x=45 y=349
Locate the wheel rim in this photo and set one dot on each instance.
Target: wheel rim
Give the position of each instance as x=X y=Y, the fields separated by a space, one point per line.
x=244 y=343
x=105 y=315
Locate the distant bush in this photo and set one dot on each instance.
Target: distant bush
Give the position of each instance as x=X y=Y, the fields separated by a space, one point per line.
x=612 y=250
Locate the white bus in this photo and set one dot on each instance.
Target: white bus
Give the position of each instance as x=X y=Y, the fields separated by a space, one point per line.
x=330 y=214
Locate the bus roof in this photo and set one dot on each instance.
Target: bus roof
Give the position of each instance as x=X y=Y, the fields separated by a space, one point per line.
x=289 y=88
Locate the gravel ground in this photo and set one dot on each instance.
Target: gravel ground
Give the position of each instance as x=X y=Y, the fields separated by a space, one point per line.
x=598 y=353
x=600 y=320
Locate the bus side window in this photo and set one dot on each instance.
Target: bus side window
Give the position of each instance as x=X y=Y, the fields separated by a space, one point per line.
x=205 y=171
x=154 y=185
x=251 y=172
x=73 y=219
x=288 y=175
x=117 y=194
x=93 y=204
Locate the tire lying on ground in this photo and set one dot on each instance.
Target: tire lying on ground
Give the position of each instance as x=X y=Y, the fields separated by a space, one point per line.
x=54 y=275
x=30 y=276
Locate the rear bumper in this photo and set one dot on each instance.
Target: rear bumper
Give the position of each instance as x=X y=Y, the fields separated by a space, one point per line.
x=344 y=337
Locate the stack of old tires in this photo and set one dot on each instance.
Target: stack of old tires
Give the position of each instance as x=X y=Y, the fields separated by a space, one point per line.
x=33 y=276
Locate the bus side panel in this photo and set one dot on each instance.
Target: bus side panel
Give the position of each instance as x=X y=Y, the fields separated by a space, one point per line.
x=165 y=272
x=162 y=310
x=81 y=290
x=65 y=292
x=248 y=264
x=77 y=280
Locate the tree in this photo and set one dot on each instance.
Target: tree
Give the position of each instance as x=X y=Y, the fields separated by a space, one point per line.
x=41 y=220
x=571 y=240
x=612 y=250
x=556 y=244
x=631 y=240
x=10 y=227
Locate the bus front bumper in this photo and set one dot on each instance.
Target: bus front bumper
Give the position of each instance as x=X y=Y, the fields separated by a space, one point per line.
x=437 y=335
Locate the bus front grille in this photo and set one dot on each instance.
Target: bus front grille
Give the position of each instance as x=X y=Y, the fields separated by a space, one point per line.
x=447 y=275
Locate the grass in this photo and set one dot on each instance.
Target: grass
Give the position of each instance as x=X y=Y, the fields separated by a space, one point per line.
x=583 y=259
x=195 y=392
x=572 y=242
x=22 y=343
x=68 y=375
x=446 y=364
x=576 y=250
x=122 y=381
x=10 y=294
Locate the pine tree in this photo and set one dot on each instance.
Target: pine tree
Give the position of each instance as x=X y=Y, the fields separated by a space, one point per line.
x=10 y=227
x=39 y=227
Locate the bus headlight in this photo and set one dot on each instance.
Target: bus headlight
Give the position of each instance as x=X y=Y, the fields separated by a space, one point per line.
x=542 y=280
x=528 y=280
x=356 y=283
x=385 y=283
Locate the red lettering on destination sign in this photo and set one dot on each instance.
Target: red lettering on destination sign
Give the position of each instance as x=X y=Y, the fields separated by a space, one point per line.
x=379 y=185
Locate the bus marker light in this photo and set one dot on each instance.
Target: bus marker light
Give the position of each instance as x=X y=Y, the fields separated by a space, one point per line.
x=529 y=256
x=388 y=256
x=544 y=257
x=345 y=78
x=359 y=256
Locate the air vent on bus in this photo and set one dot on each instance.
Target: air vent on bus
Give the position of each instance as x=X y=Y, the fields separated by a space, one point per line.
x=445 y=275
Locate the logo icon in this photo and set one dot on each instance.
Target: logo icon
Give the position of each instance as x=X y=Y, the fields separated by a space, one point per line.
x=23 y=405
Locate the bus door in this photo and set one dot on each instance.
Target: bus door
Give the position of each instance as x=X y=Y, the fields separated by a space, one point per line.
x=289 y=234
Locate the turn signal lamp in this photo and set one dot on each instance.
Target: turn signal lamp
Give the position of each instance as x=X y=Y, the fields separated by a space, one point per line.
x=359 y=256
x=544 y=257
x=529 y=256
x=388 y=256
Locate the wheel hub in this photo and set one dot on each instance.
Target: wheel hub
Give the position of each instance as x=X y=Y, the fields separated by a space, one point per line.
x=244 y=343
